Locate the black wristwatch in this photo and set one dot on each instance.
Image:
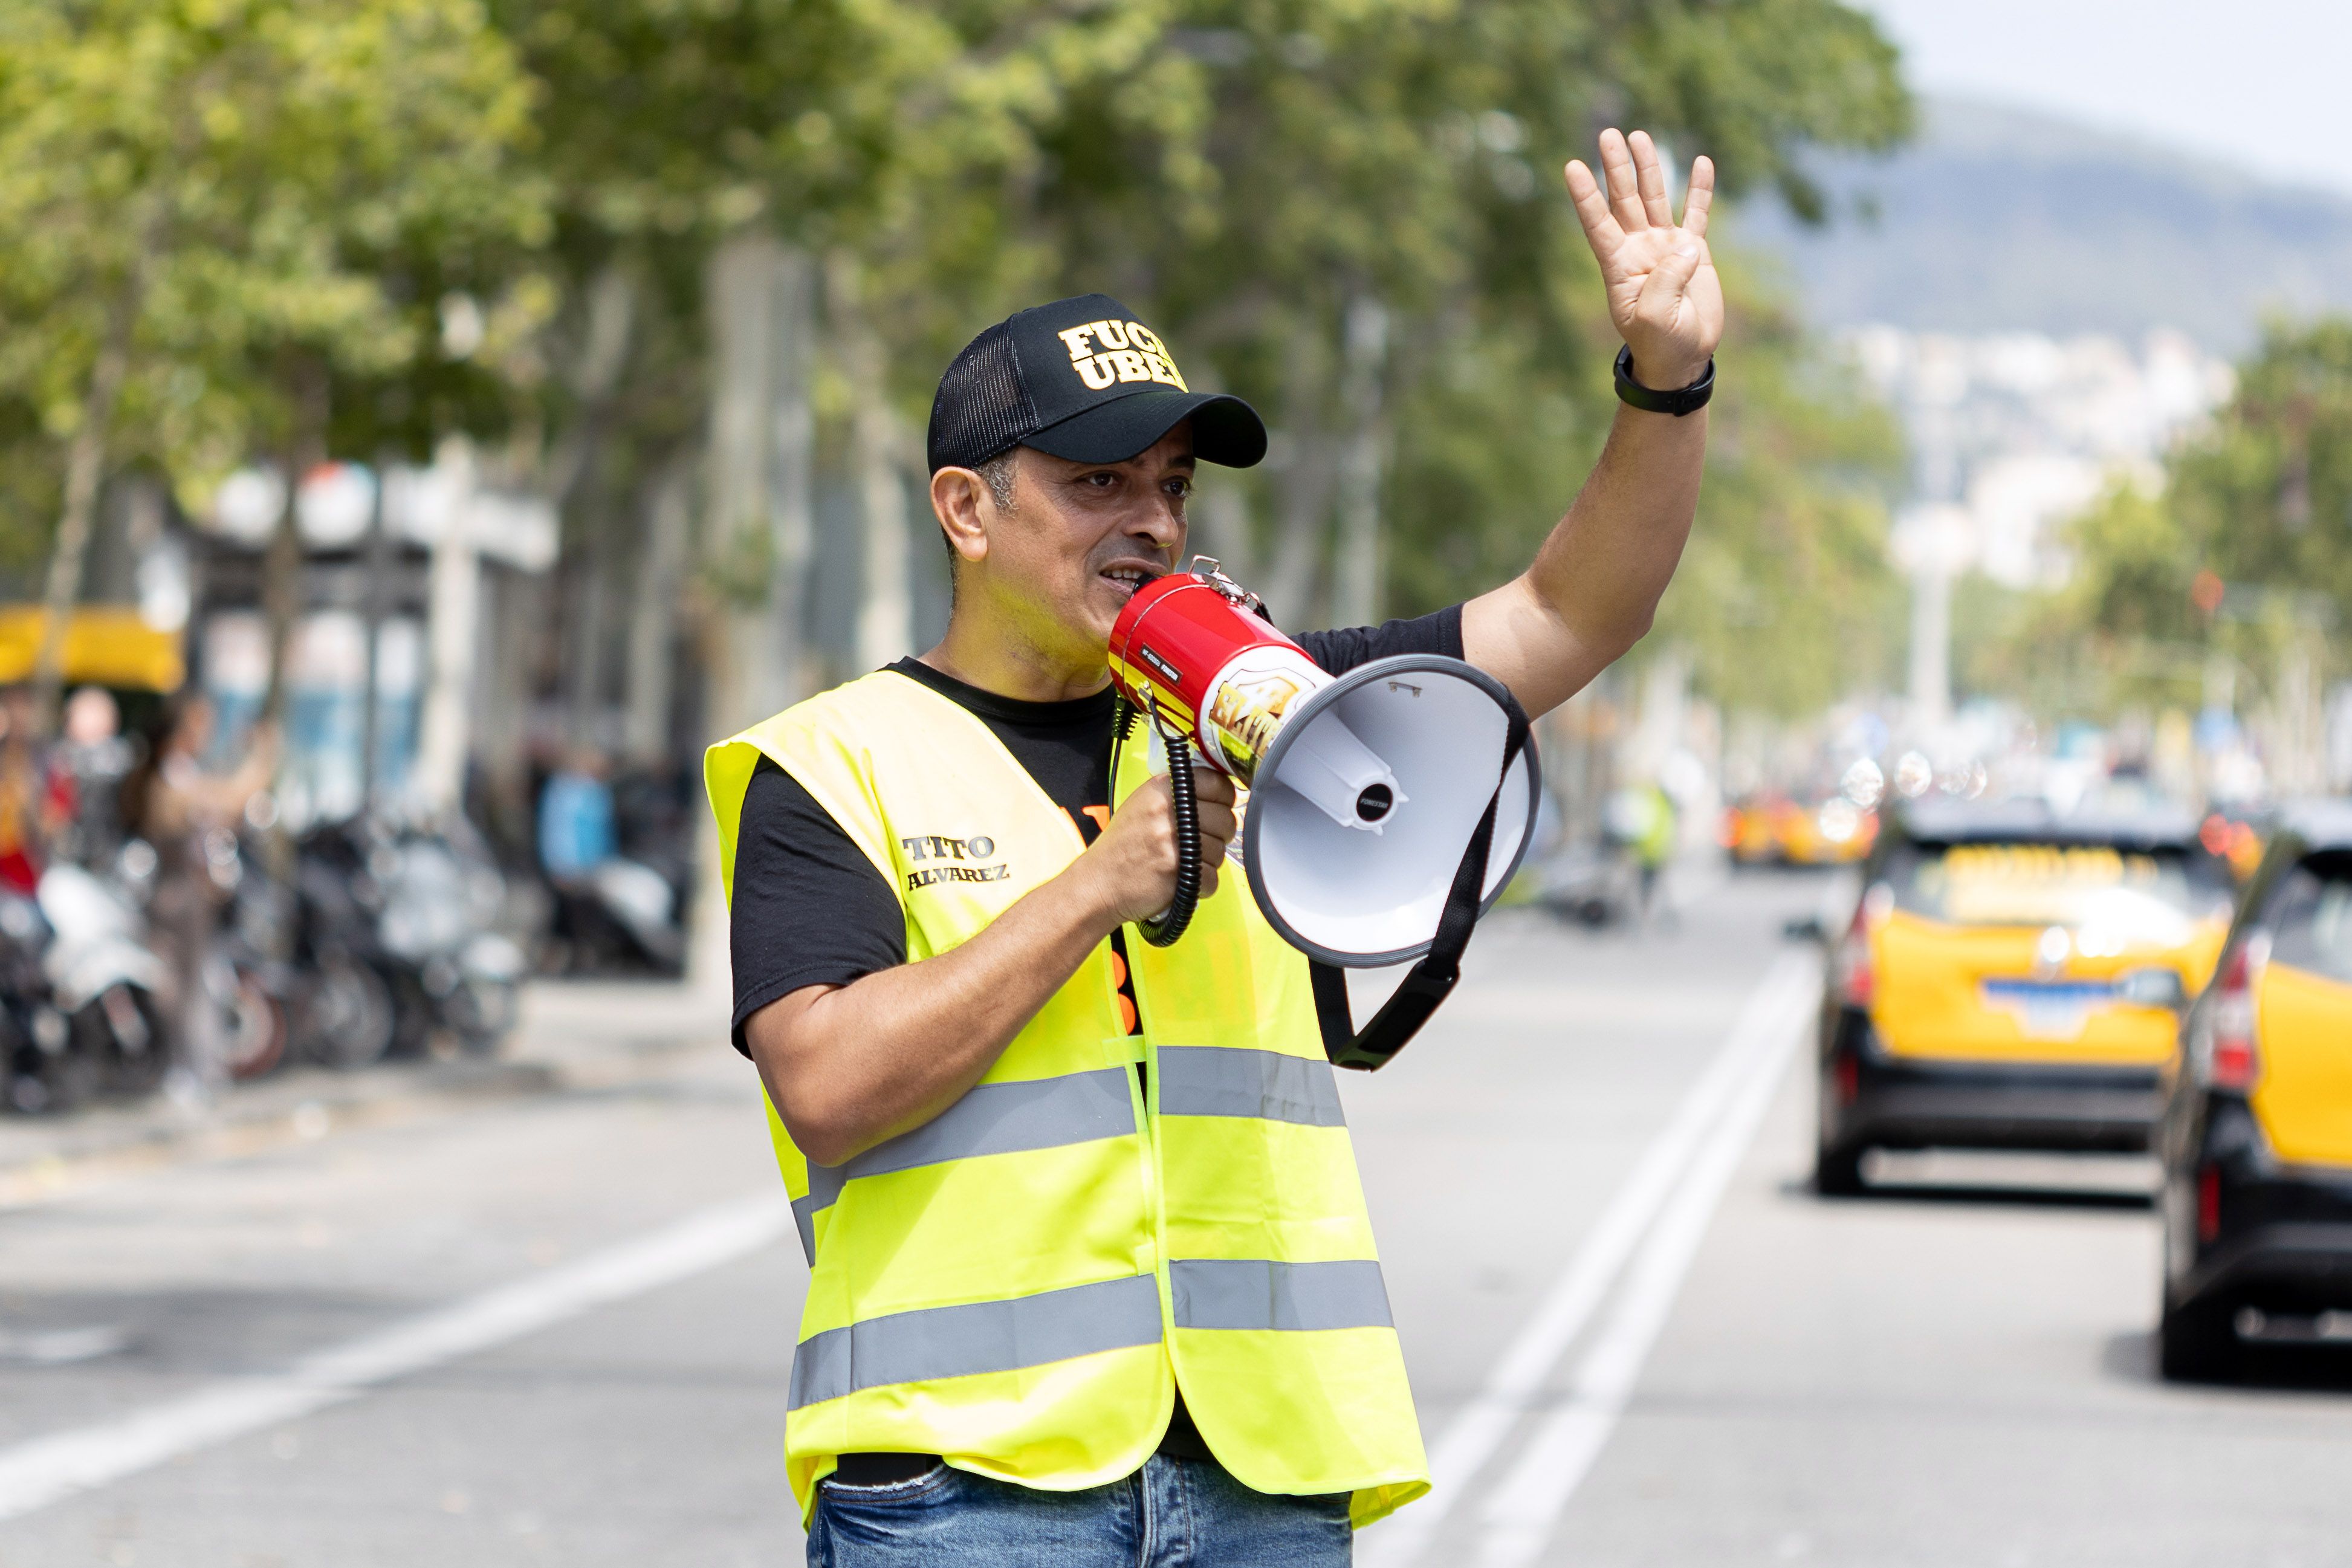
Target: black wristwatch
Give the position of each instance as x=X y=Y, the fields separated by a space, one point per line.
x=1633 y=395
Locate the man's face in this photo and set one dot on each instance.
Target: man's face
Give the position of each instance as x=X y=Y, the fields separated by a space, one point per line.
x=1081 y=537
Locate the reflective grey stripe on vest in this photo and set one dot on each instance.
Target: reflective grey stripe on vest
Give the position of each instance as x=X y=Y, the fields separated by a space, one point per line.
x=1251 y=1293
x=983 y=1336
x=991 y=1118
x=1212 y=1080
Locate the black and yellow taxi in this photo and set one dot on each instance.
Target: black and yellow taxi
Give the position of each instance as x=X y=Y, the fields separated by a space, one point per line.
x=2011 y=978
x=2256 y=1137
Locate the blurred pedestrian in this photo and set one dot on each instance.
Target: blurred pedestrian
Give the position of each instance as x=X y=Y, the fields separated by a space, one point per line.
x=36 y=801
x=94 y=757
x=177 y=803
x=576 y=835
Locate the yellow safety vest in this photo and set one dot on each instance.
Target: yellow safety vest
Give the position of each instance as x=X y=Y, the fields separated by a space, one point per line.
x=1021 y=1283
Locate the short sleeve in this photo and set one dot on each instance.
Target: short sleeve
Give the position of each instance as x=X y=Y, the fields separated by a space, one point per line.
x=809 y=908
x=1342 y=650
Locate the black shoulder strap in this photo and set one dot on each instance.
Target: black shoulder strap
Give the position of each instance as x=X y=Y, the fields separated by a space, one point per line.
x=1431 y=980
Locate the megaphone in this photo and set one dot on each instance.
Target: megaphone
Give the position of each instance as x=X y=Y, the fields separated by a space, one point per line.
x=1387 y=809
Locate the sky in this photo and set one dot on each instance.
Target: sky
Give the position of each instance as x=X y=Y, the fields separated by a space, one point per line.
x=2262 y=83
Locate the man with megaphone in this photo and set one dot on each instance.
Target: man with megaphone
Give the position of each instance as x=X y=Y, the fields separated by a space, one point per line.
x=1092 y=1280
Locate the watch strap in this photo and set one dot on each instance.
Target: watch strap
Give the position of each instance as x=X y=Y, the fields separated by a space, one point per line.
x=1686 y=400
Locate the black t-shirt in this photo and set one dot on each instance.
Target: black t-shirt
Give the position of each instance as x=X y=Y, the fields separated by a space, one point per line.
x=811 y=909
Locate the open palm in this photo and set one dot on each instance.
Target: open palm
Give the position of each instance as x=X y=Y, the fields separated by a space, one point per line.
x=1664 y=294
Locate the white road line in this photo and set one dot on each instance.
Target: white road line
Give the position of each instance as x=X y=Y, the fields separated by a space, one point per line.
x=1520 y=1516
x=1515 y=1386
x=47 y=1469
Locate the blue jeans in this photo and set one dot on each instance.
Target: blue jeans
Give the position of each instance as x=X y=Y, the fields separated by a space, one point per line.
x=1172 y=1513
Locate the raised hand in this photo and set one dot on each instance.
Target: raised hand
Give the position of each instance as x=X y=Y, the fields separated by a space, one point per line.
x=1664 y=294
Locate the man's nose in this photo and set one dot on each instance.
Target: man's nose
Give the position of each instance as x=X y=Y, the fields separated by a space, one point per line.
x=1161 y=524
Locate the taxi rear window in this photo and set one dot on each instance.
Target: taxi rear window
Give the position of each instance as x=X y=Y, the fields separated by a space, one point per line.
x=2311 y=918
x=2149 y=895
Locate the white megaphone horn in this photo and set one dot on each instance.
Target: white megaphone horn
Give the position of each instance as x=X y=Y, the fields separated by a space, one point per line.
x=1388 y=807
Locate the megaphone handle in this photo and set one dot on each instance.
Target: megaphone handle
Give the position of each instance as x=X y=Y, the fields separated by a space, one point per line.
x=1429 y=982
x=1183 y=805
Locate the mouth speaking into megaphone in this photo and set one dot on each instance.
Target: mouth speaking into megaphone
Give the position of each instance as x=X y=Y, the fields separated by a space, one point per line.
x=1388 y=807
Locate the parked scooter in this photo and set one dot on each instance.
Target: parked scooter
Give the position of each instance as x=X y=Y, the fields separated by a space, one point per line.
x=622 y=915
x=345 y=1014
x=101 y=975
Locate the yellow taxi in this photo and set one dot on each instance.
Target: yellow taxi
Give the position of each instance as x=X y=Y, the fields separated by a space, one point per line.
x=1748 y=832
x=2256 y=1137
x=1832 y=831
x=2011 y=980
x=1772 y=829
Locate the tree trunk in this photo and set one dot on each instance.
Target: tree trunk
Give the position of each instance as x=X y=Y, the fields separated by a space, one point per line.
x=885 y=613
x=85 y=467
x=452 y=624
x=1355 y=590
x=668 y=502
x=594 y=376
x=791 y=478
x=282 y=566
x=585 y=626
x=1302 y=491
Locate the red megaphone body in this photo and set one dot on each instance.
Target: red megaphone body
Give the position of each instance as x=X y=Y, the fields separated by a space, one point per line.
x=1194 y=650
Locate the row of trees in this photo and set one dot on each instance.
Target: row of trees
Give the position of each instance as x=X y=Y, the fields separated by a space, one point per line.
x=2220 y=585
x=671 y=260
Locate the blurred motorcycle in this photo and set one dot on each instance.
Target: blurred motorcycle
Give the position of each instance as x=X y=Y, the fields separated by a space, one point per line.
x=418 y=907
x=40 y=1069
x=101 y=974
x=248 y=978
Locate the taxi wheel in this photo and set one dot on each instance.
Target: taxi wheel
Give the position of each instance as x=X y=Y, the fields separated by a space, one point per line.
x=1837 y=1172
x=2198 y=1342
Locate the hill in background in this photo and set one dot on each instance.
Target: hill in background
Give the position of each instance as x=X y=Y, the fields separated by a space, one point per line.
x=1997 y=219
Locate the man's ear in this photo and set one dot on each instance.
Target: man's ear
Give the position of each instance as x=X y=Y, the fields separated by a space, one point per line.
x=961 y=501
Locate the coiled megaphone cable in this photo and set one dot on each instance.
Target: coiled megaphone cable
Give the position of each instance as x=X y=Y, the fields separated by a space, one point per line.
x=1184 y=806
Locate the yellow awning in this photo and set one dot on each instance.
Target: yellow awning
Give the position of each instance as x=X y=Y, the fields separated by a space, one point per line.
x=106 y=645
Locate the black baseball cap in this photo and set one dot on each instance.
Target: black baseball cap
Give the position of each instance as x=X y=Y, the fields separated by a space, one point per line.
x=1081 y=379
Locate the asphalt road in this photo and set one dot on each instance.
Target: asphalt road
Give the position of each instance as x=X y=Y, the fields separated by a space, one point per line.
x=557 y=1327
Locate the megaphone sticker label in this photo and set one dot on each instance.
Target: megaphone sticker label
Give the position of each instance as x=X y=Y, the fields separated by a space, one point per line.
x=1248 y=701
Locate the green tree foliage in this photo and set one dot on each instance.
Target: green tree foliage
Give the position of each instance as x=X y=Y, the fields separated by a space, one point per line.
x=2267 y=495
x=342 y=183
x=2259 y=503
x=225 y=180
x=1785 y=597
x=200 y=201
x=1271 y=162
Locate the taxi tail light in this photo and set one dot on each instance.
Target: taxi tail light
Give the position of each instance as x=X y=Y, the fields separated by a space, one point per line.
x=2209 y=1203
x=2232 y=1057
x=1854 y=974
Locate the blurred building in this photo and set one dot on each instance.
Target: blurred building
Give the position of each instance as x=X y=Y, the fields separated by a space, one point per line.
x=2013 y=433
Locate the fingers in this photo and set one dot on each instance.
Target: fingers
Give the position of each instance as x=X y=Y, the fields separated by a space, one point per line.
x=1700 y=199
x=1209 y=786
x=1217 y=825
x=1592 y=210
x=1661 y=295
x=1624 y=193
x=1649 y=180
